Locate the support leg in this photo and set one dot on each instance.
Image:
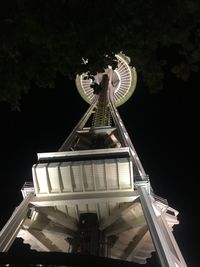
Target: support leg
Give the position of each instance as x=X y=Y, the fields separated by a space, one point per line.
x=165 y=255
x=10 y=230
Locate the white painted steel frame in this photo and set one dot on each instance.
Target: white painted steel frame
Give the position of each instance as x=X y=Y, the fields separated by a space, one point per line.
x=66 y=145
x=165 y=244
x=83 y=176
x=84 y=198
x=167 y=257
x=83 y=153
x=11 y=228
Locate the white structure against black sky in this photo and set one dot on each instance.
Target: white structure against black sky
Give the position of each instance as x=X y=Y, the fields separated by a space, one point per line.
x=93 y=196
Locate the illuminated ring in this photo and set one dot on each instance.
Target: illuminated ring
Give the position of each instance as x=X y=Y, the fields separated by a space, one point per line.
x=124 y=81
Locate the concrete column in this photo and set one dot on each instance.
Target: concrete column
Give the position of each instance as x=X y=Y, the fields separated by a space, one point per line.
x=12 y=227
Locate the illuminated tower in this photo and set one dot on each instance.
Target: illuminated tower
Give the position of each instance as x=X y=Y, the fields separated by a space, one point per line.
x=93 y=196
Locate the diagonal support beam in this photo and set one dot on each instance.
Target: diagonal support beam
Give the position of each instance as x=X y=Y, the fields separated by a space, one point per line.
x=59 y=217
x=162 y=247
x=12 y=227
x=116 y=215
x=43 y=241
x=133 y=244
x=43 y=223
x=69 y=141
x=123 y=226
x=171 y=241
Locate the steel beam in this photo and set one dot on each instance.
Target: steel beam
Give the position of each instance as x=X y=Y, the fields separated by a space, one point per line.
x=42 y=241
x=116 y=215
x=121 y=227
x=59 y=217
x=12 y=227
x=134 y=243
x=172 y=242
x=84 y=198
x=80 y=125
x=161 y=245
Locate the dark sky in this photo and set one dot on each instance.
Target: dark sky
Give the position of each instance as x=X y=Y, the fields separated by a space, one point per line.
x=163 y=128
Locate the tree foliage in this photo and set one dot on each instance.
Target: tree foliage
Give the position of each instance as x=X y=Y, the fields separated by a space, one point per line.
x=40 y=39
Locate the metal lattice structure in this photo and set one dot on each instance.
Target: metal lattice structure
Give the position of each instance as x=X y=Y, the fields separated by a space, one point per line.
x=93 y=196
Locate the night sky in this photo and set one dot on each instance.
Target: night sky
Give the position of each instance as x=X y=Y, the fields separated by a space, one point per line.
x=162 y=126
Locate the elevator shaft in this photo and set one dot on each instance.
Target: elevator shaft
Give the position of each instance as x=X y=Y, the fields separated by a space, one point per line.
x=102 y=114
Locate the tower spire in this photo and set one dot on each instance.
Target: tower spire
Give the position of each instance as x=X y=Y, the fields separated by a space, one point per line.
x=93 y=196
